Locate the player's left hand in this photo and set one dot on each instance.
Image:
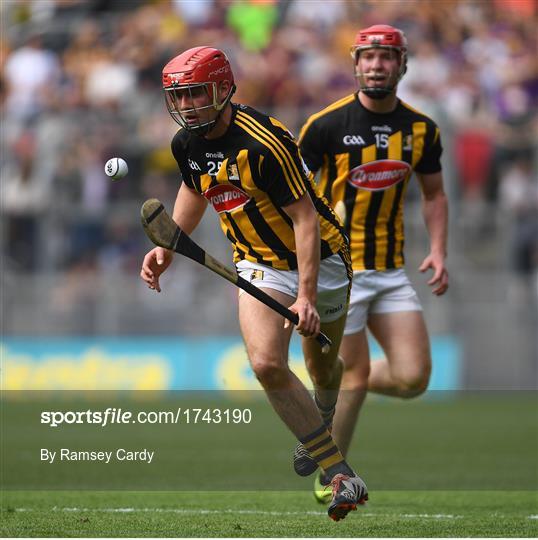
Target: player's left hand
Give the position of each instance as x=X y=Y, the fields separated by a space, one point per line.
x=439 y=280
x=309 y=324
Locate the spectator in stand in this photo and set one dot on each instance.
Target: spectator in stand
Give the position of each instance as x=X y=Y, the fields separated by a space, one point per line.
x=484 y=91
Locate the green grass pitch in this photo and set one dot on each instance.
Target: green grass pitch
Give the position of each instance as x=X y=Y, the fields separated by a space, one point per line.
x=266 y=514
x=448 y=466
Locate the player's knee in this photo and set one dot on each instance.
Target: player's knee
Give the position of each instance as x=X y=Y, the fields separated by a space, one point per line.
x=270 y=373
x=355 y=376
x=413 y=384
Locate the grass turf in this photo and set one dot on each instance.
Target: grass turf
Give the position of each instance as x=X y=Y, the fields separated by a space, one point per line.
x=266 y=514
x=435 y=468
x=469 y=442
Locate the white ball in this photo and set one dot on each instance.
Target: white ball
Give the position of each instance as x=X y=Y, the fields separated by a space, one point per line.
x=116 y=168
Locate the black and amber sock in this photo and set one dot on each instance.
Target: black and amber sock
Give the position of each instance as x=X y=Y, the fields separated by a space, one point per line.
x=325 y=453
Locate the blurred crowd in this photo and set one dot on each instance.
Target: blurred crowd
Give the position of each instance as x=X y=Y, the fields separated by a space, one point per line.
x=81 y=83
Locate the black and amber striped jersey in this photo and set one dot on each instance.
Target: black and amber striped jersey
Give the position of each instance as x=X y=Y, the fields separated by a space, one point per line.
x=249 y=175
x=365 y=161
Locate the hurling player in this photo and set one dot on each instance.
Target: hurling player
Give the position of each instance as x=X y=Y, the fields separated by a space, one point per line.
x=286 y=240
x=366 y=147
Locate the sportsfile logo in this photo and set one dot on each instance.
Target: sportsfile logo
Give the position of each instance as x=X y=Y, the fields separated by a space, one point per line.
x=226 y=198
x=379 y=175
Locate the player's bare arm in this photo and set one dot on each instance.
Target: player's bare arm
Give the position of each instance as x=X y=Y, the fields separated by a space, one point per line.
x=188 y=211
x=188 y=208
x=307 y=241
x=435 y=211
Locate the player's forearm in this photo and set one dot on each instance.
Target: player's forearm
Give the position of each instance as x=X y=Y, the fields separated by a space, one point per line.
x=188 y=209
x=307 y=241
x=435 y=212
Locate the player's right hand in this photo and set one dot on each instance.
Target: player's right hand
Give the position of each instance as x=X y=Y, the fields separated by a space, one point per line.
x=154 y=264
x=309 y=322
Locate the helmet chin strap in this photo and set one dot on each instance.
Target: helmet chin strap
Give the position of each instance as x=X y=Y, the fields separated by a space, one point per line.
x=376 y=93
x=203 y=129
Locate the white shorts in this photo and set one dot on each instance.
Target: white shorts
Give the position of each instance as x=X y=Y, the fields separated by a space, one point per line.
x=333 y=284
x=379 y=292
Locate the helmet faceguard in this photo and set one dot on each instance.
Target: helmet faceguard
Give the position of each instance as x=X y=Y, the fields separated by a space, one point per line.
x=196 y=72
x=379 y=36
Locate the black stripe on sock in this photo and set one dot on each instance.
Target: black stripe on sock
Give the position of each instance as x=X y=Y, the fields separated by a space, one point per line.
x=326 y=454
x=319 y=445
x=313 y=435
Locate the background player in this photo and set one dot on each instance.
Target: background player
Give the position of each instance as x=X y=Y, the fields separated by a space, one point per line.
x=366 y=147
x=247 y=166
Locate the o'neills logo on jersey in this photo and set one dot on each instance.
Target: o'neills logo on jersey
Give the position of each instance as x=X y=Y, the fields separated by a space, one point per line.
x=226 y=198
x=378 y=175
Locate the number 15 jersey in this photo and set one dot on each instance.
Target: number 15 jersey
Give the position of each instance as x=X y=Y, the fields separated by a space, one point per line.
x=366 y=160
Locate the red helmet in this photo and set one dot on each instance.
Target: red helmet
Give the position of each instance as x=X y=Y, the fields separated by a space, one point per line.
x=381 y=36
x=202 y=68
